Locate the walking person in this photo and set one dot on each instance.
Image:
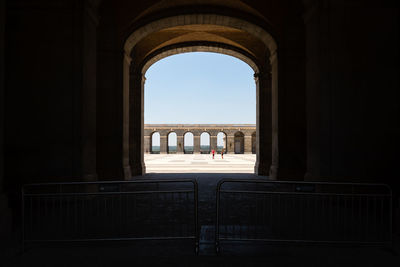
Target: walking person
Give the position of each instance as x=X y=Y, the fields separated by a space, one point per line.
x=222 y=153
x=213 y=153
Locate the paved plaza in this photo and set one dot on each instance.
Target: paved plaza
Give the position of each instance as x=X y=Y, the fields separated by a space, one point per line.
x=199 y=163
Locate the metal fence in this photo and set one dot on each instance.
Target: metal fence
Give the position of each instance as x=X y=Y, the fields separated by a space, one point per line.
x=110 y=211
x=281 y=211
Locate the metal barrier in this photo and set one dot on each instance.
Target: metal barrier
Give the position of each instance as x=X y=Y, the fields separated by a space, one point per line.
x=308 y=212
x=110 y=211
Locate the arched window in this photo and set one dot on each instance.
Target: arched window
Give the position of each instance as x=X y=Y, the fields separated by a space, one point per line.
x=172 y=140
x=205 y=143
x=155 y=143
x=221 y=142
x=239 y=143
x=188 y=143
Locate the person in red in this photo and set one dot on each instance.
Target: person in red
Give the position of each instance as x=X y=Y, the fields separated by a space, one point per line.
x=222 y=153
x=213 y=153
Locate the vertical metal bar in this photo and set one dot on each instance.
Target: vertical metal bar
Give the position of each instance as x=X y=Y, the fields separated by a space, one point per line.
x=330 y=215
x=316 y=227
x=111 y=213
x=23 y=218
x=120 y=211
x=373 y=218
x=128 y=214
x=106 y=218
x=134 y=214
x=196 y=218
x=88 y=213
x=338 y=226
x=188 y=200
x=264 y=221
x=279 y=216
x=38 y=217
x=359 y=217
x=217 y=202
x=60 y=215
x=173 y=225
x=67 y=218
x=76 y=215
x=53 y=214
x=391 y=218
x=352 y=216
x=270 y=213
x=256 y=219
x=239 y=225
x=345 y=218
x=367 y=219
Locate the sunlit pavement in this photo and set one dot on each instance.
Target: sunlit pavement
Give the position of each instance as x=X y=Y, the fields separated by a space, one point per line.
x=199 y=163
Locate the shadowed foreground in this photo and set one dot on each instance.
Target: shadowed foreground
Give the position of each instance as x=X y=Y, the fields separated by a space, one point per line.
x=181 y=252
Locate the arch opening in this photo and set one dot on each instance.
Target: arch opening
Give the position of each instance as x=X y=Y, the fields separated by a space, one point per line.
x=205 y=147
x=221 y=142
x=239 y=143
x=172 y=143
x=155 y=143
x=266 y=79
x=188 y=143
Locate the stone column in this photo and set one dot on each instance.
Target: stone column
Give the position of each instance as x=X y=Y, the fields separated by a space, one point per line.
x=196 y=144
x=213 y=142
x=163 y=144
x=264 y=122
x=179 y=144
x=318 y=91
x=147 y=145
x=89 y=87
x=230 y=144
x=247 y=144
x=272 y=144
x=126 y=119
x=136 y=122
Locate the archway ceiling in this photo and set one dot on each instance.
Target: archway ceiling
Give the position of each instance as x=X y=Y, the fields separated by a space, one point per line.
x=201 y=33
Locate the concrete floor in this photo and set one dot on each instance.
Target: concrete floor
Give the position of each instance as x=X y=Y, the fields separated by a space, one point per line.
x=199 y=163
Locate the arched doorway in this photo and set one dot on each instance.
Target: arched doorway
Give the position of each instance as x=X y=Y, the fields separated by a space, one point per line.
x=188 y=143
x=155 y=143
x=221 y=142
x=172 y=143
x=263 y=61
x=239 y=143
x=205 y=143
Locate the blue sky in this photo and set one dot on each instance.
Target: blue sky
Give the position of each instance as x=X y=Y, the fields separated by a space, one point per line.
x=200 y=88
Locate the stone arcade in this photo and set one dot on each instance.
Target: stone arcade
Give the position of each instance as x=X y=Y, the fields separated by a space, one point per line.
x=239 y=138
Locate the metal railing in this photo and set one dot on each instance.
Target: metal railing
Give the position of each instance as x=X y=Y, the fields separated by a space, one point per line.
x=307 y=212
x=110 y=211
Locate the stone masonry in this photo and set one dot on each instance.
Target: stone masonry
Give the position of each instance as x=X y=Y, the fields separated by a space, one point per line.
x=242 y=134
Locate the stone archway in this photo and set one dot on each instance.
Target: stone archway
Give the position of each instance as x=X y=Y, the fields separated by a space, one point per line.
x=222 y=142
x=155 y=143
x=188 y=143
x=205 y=143
x=172 y=141
x=239 y=143
x=266 y=77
